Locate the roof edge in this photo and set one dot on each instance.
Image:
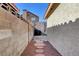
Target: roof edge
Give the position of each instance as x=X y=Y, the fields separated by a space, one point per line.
x=51 y=8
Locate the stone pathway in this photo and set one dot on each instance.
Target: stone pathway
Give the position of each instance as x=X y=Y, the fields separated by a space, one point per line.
x=39 y=46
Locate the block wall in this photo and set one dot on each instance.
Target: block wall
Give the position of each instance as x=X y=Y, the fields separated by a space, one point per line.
x=13 y=34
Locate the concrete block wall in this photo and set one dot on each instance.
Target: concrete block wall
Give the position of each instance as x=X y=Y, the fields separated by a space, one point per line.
x=63 y=34
x=65 y=38
x=13 y=34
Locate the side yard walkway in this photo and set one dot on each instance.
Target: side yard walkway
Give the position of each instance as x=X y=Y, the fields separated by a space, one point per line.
x=40 y=47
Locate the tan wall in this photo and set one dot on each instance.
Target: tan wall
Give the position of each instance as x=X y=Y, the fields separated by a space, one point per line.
x=13 y=34
x=31 y=32
x=65 y=38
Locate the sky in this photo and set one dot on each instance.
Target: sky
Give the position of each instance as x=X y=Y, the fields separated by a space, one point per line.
x=37 y=8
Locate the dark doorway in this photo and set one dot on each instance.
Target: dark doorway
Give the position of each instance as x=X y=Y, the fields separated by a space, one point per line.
x=37 y=32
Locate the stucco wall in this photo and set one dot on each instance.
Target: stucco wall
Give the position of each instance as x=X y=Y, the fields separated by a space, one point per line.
x=63 y=13
x=64 y=37
x=40 y=26
x=13 y=34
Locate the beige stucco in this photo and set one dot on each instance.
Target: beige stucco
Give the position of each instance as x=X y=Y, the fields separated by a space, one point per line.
x=63 y=13
x=40 y=26
x=64 y=36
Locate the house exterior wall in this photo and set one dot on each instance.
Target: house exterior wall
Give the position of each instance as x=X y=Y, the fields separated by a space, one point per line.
x=13 y=34
x=40 y=26
x=64 y=36
x=31 y=32
x=63 y=13
x=30 y=17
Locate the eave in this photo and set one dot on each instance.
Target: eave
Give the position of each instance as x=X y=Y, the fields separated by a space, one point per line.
x=51 y=8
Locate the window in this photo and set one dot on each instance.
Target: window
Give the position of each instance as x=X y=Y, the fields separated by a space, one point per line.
x=33 y=20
